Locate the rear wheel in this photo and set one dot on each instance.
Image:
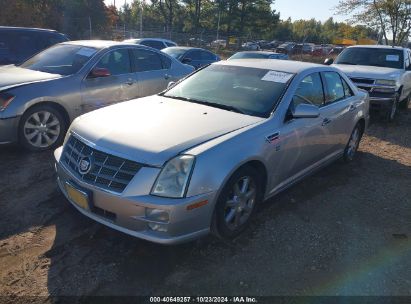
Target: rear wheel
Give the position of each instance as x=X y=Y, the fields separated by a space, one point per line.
x=41 y=128
x=236 y=203
x=353 y=143
x=405 y=103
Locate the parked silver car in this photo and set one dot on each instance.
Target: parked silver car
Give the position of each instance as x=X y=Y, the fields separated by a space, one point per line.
x=40 y=97
x=198 y=157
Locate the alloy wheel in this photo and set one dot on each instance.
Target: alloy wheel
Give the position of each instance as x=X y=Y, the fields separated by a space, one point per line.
x=240 y=203
x=42 y=129
x=353 y=143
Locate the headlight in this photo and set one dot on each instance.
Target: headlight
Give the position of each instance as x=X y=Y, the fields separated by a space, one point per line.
x=173 y=179
x=5 y=99
x=385 y=82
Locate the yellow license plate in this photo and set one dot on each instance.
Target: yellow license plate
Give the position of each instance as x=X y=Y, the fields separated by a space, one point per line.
x=78 y=197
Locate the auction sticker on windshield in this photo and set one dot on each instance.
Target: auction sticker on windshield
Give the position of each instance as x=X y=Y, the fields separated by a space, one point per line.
x=392 y=58
x=275 y=76
x=84 y=51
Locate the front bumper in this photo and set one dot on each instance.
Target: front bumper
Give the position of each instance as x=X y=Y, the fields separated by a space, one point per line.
x=9 y=130
x=382 y=101
x=126 y=213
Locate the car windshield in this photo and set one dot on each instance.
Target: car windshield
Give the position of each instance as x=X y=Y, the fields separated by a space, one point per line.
x=248 y=55
x=63 y=59
x=174 y=52
x=250 y=91
x=387 y=58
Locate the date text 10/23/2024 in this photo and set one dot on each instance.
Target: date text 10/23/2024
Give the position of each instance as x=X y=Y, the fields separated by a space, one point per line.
x=199 y=299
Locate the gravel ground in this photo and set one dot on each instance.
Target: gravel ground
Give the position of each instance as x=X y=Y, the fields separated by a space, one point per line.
x=343 y=231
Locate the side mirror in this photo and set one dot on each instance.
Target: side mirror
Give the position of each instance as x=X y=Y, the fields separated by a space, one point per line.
x=186 y=60
x=328 y=61
x=170 y=84
x=304 y=110
x=99 y=72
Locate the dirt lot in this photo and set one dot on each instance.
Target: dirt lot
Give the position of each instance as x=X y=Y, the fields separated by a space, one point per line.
x=344 y=231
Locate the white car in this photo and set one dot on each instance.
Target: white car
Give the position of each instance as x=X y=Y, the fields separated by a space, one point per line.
x=383 y=71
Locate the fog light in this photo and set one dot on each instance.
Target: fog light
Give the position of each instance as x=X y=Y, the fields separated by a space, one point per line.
x=157 y=215
x=158 y=227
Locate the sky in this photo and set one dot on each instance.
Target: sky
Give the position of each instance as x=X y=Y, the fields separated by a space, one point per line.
x=296 y=9
x=307 y=9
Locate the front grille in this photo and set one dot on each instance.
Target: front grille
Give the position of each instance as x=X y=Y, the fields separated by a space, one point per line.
x=362 y=80
x=107 y=171
x=368 y=89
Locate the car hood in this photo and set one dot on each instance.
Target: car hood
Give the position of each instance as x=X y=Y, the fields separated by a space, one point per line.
x=365 y=71
x=12 y=76
x=153 y=129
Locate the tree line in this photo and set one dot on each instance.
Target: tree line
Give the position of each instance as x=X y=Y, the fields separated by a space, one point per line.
x=248 y=19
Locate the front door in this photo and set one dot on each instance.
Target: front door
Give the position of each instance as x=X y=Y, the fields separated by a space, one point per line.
x=102 y=91
x=301 y=142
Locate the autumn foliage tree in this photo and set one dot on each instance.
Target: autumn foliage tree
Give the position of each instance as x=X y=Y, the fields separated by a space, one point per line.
x=391 y=17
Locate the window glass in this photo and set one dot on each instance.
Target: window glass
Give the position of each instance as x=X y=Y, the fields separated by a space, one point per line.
x=386 y=57
x=117 y=62
x=146 y=61
x=6 y=54
x=207 y=56
x=194 y=55
x=166 y=62
x=154 y=44
x=26 y=46
x=335 y=89
x=244 y=89
x=63 y=59
x=309 y=91
x=347 y=90
x=170 y=44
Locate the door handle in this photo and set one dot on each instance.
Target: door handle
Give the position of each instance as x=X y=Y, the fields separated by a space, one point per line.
x=326 y=121
x=129 y=82
x=167 y=76
x=352 y=108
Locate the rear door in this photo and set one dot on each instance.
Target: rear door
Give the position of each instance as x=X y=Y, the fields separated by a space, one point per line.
x=103 y=91
x=338 y=111
x=152 y=71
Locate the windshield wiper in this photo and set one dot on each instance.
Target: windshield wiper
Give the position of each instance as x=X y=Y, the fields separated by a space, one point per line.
x=207 y=103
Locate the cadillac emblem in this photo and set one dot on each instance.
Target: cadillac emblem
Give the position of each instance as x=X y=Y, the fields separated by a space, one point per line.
x=84 y=165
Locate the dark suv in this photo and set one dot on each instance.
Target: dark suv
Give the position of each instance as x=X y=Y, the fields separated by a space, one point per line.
x=18 y=43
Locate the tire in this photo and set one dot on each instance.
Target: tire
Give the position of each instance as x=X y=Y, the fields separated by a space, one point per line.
x=353 y=143
x=236 y=203
x=42 y=128
x=390 y=113
x=405 y=103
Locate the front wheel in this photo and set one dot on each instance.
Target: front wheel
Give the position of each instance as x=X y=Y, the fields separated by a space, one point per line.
x=41 y=128
x=353 y=143
x=391 y=111
x=236 y=203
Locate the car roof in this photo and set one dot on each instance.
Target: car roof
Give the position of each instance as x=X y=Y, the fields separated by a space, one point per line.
x=289 y=66
x=260 y=52
x=155 y=39
x=100 y=44
x=371 y=46
x=32 y=29
x=186 y=48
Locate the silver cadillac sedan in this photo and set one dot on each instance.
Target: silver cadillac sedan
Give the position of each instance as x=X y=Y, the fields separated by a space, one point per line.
x=201 y=155
x=40 y=97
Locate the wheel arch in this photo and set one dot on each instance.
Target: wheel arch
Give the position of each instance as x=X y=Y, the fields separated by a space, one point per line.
x=53 y=104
